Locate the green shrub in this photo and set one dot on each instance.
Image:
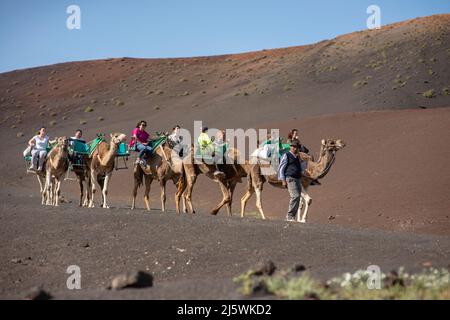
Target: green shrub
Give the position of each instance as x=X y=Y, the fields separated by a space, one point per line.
x=430 y=284
x=429 y=94
x=360 y=83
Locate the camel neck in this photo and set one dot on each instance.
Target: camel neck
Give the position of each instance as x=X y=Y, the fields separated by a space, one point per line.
x=60 y=156
x=110 y=155
x=325 y=163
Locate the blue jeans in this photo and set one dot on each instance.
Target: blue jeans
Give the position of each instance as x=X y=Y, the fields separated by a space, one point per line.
x=144 y=150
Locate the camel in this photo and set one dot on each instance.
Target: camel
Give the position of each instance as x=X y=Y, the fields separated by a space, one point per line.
x=233 y=174
x=57 y=164
x=162 y=167
x=101 y=165
x=314 y=170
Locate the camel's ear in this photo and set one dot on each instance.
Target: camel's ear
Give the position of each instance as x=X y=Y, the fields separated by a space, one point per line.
x=111 y=135
x=323 y=142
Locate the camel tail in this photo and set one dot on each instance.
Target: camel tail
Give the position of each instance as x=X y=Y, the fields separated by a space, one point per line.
x=138 y=176
x=101 y=180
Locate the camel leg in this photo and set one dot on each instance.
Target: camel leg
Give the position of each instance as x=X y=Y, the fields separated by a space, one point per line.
x=188 y=194
x=247 y=196
x=258 y=192
x=225 y=200
x=162 y=184
x=148 y=183
x=80 y=183
x=58 y=191
x=181 y=186
x=105 y=190
x=300 y=207
x=185 y=210
x=48 y=189
x=93 y=181
x=87 y=197
x=231 y=188
x=134 y=194
x=245 y=199
x=54 y=189
x=308 y=201
x=41 y=181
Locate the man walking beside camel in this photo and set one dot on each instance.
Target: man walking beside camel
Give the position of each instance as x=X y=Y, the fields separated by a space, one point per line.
x=290 y=173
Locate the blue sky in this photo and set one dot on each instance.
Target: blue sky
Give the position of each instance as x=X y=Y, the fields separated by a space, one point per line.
x=34 y=33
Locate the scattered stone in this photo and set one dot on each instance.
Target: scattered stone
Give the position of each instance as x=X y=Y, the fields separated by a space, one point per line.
x=138 y=279
x=259 y=288
x=37 y=293
x=311 y=296
x=298 y=268
x=331 y=217
x=266 y=268
x=392 y=279
x=21 y=261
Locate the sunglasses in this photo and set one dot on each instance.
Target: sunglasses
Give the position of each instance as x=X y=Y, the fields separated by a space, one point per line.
x=143 y=124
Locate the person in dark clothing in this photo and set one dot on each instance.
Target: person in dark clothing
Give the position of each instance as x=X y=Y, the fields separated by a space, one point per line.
x=290 y=173
x=293 y=136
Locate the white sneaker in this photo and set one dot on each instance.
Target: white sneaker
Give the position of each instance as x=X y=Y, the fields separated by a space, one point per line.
x=39 y=169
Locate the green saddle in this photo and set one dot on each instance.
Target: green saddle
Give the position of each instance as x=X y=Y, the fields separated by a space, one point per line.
x=123 y=150
x=282 y=147
x=79 y=147
x=92 y=145
x=153 y=143
x=201 y=154
x=156 y=143
x=89 y=148
x=49 y=148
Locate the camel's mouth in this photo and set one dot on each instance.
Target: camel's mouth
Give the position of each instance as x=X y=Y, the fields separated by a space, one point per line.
x=340 y=144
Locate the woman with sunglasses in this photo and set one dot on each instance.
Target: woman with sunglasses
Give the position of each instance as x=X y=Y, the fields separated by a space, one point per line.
x=140 y=142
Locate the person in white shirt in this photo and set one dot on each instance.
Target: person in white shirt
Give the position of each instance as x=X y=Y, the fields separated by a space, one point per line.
x=175 y=137
x=39 y=143
x=175 y=140
x=78 y=136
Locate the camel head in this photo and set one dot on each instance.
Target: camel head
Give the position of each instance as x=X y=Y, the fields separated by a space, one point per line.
x=117 y=138
x=332 y=145
x=62 y=143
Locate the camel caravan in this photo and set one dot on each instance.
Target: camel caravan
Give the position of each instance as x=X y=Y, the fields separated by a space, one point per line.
x=167 y=157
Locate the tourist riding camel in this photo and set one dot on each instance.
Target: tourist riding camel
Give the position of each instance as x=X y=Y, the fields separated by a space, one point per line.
x=232 y=174
x=140 y=142
x=39 y=144
x=78 y=162
x=207 y=150
x=161 y=166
